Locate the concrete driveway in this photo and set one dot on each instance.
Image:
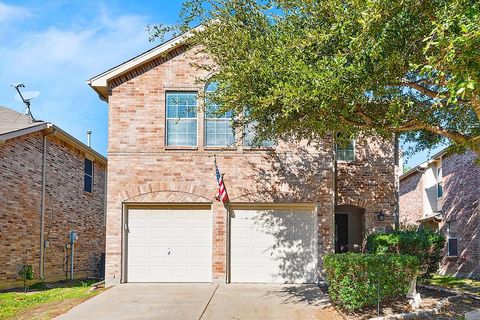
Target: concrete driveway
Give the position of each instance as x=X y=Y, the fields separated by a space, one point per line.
x=206 y=301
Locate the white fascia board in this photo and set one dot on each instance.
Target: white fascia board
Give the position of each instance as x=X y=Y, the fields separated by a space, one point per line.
x=17 y=133
x=102 y=79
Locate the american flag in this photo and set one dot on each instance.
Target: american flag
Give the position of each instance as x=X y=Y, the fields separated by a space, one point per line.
x=222 y=194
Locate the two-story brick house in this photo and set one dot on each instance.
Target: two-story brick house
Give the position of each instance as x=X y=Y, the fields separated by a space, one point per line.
x=50 y=184
x=290 y=203
x=444 y=193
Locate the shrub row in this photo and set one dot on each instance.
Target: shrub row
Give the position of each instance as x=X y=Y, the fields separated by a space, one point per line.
x=359 y=280
x=425 y=244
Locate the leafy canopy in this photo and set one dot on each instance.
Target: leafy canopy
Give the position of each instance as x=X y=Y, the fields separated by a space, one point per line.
x=307 y=68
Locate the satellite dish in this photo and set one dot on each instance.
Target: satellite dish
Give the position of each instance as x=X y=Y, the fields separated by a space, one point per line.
x=27 y=96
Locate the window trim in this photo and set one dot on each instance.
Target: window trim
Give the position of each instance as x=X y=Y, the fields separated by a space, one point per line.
x=91 y=176
x=449 y=237
x=179 y=147
x=354 y=153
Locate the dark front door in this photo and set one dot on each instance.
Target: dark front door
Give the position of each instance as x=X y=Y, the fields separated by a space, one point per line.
x=341 y=233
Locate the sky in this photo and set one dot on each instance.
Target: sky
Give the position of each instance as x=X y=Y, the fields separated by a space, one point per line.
x=55 y=46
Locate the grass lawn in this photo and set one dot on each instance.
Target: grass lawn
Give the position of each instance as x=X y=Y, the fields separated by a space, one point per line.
x=467 y=285
x=45 y=302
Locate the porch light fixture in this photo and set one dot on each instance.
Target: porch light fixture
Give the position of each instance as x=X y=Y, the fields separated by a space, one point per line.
x=381 y=215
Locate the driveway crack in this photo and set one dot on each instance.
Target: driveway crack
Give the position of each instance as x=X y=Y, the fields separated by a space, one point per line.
x=208 y=303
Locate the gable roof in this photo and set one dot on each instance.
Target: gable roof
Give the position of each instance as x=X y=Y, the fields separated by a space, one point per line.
x=15 y=124
x=422 y=166
x=99 y=83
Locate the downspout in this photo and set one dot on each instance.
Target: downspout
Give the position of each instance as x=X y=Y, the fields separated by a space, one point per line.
x=42 y=206
x=397 y=182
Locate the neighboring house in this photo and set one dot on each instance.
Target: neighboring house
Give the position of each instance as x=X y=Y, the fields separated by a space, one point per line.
x=45 y=172
x=291 y=203
x=444 y=193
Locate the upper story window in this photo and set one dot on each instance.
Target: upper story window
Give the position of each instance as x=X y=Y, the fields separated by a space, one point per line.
x=439 y=182
x=88 y=176
x=346 y=152
x=218 y=128
x=452 y=239
x=250 y=134
x=181 y=119
x=249 y=137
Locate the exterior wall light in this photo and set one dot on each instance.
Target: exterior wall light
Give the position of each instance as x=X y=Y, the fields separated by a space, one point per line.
x=381 y=215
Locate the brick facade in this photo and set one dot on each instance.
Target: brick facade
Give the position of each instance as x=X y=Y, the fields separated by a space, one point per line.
x=460 y=203
x=67 y=208
x=142 y=169
x=411 y=199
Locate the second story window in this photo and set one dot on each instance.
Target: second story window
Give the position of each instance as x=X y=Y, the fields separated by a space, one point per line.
x=88 y=176
x=250 y=134
x=181 y=119
x=249 y=137
x=452 y=239
x=218 y=127
x=439 y=182
x=346 y=152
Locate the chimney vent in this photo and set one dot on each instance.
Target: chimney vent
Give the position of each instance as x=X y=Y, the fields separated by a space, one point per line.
x=89 y=137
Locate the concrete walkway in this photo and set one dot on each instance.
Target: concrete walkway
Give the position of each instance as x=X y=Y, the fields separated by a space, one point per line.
x=206 y=302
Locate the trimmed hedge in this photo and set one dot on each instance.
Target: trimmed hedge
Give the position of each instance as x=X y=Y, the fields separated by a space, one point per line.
x=357 y=280
x=425 y=244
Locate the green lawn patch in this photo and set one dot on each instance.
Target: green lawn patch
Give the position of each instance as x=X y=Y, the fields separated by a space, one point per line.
x=467 y=285
x=45 y=301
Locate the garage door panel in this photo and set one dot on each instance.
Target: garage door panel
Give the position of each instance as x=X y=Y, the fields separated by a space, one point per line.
x=169 y=245
x=159 y=252
x=201 y=252
x=160 y=232
x=274 y=245
x=180 y=232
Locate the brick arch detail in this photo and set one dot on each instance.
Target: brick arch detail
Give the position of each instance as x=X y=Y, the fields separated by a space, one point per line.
x=202 y=193
x=356 y=202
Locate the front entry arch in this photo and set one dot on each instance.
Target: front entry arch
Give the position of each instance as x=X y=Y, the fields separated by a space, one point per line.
x=349 y=228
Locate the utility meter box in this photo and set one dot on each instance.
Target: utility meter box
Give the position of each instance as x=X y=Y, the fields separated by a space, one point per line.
x=73 y=236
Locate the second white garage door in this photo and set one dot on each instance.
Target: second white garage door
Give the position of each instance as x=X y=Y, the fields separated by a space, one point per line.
x=273 y=246
x=169 y=245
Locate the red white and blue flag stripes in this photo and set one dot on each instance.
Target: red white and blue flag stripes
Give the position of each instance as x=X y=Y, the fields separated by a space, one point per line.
x=222 y=194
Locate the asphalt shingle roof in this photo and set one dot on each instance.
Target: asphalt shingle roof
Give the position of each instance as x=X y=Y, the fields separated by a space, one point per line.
x=11 y=120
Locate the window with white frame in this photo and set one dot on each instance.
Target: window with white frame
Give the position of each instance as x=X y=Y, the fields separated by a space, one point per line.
x=452 y=238
x=181 y=119
x=439 y=182
x=346 y=152
x=250 y=137
x=218 y=127
x=88 y=176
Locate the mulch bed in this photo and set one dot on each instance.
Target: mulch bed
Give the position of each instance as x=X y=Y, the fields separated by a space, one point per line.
x=457 y=307
x=454 y=309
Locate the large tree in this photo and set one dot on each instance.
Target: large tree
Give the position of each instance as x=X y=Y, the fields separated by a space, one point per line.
x=307 y=68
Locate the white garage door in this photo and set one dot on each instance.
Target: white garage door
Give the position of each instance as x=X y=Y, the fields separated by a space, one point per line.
x=273 y=245
x=169 y=245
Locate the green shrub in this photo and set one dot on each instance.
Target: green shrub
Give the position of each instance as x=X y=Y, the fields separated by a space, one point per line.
x=425 y=244
x=358 y=280
x=26 y=273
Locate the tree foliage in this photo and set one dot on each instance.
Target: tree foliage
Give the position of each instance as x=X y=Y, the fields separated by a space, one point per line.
x=306 y=68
